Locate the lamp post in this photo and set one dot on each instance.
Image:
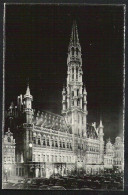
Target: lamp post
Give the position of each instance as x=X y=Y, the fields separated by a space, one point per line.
x=30 y=158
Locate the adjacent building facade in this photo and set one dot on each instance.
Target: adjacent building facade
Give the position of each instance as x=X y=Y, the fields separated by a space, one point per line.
x=48 y=143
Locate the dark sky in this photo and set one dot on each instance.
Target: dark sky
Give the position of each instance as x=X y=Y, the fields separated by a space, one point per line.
x=37 y=38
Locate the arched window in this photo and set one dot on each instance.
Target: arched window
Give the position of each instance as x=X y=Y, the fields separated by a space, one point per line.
x=63 y=144
x=34 y=140
x=52 y=142
x=9 y=139
x=56 y=143
x=76 y=73
x=39 y=141
x=70 y=145
x=44 y=142
x=60 y=144
x=48 y=141
x=67 y=145
x=72 y=73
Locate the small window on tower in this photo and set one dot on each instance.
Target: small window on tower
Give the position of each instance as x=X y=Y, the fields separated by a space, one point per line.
x=76 y=73
x=9 y=139
x=73 y=73
x=77 y=51
x=73 y=51
x=77 y=92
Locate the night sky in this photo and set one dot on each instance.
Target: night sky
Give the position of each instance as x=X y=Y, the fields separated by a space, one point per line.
x=37 y=39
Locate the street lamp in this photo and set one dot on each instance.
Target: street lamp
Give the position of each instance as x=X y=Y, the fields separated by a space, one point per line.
x=30 y=145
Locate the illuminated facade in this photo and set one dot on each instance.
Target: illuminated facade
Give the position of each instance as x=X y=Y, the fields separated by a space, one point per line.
x=48 y=143
x=8 y=155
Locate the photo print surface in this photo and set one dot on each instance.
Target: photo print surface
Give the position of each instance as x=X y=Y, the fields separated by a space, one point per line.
x=63 y=83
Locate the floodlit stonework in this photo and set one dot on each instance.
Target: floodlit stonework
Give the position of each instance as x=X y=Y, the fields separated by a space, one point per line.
x=48 y=143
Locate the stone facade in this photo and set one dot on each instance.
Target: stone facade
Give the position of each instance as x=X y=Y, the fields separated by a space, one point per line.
x=114 y=156
x=8 y=155
x=48 y=143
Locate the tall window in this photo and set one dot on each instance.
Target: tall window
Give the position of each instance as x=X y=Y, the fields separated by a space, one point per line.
x=56 y=144
x=48 y=142
x=20 y=172
x=76 y=73
x=34 y=140
x=73 y=73
x=39 y=141
x=52 y=143
x=44 y=142
x=67 y=145
x=60 y=144
x=63 y=144
x=73 y=51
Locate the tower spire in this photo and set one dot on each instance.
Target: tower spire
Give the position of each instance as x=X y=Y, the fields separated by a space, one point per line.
x=74 y=35
x=28 y=90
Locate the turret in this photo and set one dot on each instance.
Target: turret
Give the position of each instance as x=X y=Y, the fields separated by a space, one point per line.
x=74 y=100
x=101 y=134
x=101 y=129
x=28 y=99
x=27 y=107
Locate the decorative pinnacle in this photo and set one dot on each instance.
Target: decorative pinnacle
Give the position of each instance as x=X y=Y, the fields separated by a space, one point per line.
x=74 y=35
x=28 y=90
x=101 y=124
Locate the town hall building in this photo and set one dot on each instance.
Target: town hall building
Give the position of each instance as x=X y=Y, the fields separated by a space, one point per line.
x=47 y=143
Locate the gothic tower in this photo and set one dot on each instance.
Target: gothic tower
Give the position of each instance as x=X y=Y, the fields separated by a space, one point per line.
x=74 y=96
x=28 y=105
x=27 y=126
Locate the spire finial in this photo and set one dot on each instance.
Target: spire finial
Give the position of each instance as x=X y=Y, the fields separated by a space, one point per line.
x=101 y=124
x=74 y=35
x=28 y=89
